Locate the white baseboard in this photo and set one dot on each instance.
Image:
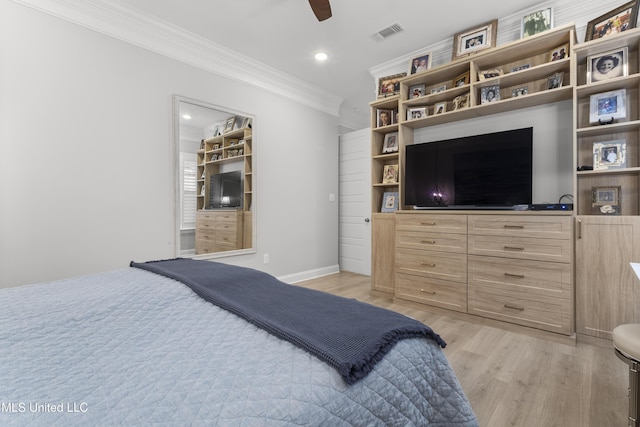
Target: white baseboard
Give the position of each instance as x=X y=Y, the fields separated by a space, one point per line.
x=310 y=274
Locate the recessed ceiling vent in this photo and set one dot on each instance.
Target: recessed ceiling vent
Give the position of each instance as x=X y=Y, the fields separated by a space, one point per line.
x=387 y=32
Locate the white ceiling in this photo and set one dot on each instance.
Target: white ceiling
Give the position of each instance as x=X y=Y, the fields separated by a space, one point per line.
x=285 y=34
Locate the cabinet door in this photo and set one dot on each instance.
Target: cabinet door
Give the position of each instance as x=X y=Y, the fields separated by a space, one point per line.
x=383 y=229
x=607 y=290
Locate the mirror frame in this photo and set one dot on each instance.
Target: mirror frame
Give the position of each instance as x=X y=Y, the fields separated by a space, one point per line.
x=177 y=99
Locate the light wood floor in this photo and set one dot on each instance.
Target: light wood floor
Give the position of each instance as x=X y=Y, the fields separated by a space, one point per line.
x=512 y=379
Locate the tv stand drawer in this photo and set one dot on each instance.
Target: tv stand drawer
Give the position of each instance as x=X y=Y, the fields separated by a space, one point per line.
x=545 y=227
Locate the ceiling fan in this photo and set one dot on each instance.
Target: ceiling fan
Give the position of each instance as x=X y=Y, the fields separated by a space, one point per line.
x=321 y=8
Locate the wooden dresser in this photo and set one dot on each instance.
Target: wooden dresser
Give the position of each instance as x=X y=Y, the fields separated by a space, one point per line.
x=219 y=230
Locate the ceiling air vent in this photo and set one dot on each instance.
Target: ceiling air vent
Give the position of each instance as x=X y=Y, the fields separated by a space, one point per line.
x=387 y=32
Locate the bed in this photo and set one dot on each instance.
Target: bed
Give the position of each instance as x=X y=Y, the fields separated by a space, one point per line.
x=146 y=345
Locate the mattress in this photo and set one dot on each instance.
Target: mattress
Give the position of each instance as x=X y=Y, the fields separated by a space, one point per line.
x=130 y=347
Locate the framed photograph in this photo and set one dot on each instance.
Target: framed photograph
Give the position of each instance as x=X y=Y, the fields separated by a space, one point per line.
x=605 y=200
x=489 y=94
x=390 y=201
x=228 y=124
x=390 y=144
x=390 y=174
x=520 y=91
x=475 y=39
x=417 y=113
x=461 y=80
x=385 y=117
x=439 y=89
x=537 y=22
x=460 y=102
x=615 y=21
x=416 y=91
x=607 y=106
x=390 y=85
x=440 y=108
x=489 y=74
x=610 y=155
x=554 y=81
x=520 y=67
x=559 y=53
x=420 y=63
x=608 y=65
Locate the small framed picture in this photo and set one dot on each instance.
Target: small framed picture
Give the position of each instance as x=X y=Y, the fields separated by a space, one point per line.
x=390 y=85
x=554 y=81
x=385 y=117
x=489 y=94
x=520 y=91
x=537 y=22
x=228 y=124
x=440 y=108
x=475 y=39
x=461 y=80
x=420 y=63
x=520 y=67
x=489 y=74
x=417 y=113
x=605 y=200
x=460 y=102
x=608 y=65
x=390 y=201
x=390 y=144
x=606 y=107
x=615 y=21
x=416 y=91
x=390 y=174
x=559 y=53
x=439 y=89
x=610 y=155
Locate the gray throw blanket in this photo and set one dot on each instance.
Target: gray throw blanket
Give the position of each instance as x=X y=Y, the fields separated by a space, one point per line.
x=347 y=334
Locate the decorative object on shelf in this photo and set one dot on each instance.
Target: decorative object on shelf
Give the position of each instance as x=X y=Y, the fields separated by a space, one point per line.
x=475 y=39
x=615 y=21
x=215 y=147
x=520 y=68
x=461 y=80
x=389 y=201
x=439 y=89
x=246 y=123
x=520 y=91
x=610 y=155
x=608 y=65
x=606 y=107
x=390 y=85
x=202 y=144
x=440 y=108
x=488 y=74
x=460 y=102
x=554 y=81
x=390 y=144
x=228 y=124
x=537 y=22
x=559 y=53
x=416 y=91
x=420 y=63
x=385 y=117
x=490 y=94
x=417 y=113
x=605 y=200
x=390 y=174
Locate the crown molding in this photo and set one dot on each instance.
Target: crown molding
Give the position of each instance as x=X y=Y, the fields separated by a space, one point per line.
x=115 y=19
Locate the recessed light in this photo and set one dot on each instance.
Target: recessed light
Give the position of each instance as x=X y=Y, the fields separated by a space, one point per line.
x=321 y=56
x=186 y=116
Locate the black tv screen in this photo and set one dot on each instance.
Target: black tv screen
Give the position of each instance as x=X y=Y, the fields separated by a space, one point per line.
x=489 y=170
x=226 y=190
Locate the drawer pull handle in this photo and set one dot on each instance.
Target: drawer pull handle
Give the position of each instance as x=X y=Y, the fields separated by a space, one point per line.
x=429 y=242
x=516 y=227
x=519 y=276
x=513 y=307
x=428 y=223
x=427 y=292
x=427 y=264
x=513 y=248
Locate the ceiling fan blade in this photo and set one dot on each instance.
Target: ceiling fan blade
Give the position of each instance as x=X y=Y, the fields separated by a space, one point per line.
x=321 y=8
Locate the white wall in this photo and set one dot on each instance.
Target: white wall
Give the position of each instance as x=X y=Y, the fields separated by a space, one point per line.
x=86 y=168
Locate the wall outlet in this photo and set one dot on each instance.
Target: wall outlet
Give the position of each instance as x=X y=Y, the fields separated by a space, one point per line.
x=266 y=258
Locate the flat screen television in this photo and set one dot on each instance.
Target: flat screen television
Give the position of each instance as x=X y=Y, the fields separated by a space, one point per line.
x=226 y=190
x=486 y=171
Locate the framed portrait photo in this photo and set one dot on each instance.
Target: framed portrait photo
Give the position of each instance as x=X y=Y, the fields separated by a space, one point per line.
x=615 y=21
x=384 y=117
x=555 y=80
x=475 y=39
x=417 y=113
x=229 y=123
x=608 y=65
x=390 y=144
x=461 y=80
x=420 y=63
x=390 y=174
x=390 y=85
x=489 y=74
x=605 y=200
x=460 y=102
x=390 y=201
x=440 y=108
x=607 y=106
x=610 y=155
x=416 y=91
x=561 y=52
x=489 y=94
x=440 y=88
x=519 y=91
x=537 y=22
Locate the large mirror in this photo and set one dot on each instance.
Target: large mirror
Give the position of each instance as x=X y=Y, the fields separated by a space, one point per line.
x=214 y=180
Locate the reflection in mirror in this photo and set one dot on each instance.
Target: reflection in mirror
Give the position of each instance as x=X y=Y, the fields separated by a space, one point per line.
x=214 y=179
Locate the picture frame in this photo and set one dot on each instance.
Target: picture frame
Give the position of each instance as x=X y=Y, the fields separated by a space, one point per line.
x=416 y=91
x=390 y=174
x=489 y=94
x=460 y=102
x=440 y=108
x=461 y=80
x=420 y=63
x=519 y=91
x=439 y=89
x=606 y=200
x=229 y=123
x=417 y=113
x=606 y=107
x=520 y=68
x=608 y=65
x=489 y=74
x=561 y=52
x=390 y=201
x=610 y=155
x=615 y=21
x=554 y=81
x=390 y=144
x=384 y=117
x=536 y=22
x=389 y=85
x=475 y=39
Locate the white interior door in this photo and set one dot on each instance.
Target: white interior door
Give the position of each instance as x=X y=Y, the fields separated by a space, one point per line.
x=355 y=202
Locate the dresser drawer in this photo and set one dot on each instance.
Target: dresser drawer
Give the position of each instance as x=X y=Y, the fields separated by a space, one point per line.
x=555 y=250
x=435 y=265
x=427 y=222
x=527 y=277
x=445 y=242
x=550 y=314
x=227 y=217
x=440 y=293
x=548 y=227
